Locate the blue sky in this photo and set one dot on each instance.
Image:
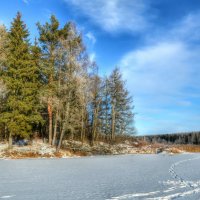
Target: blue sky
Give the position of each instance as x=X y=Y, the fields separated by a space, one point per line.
x=156 y=44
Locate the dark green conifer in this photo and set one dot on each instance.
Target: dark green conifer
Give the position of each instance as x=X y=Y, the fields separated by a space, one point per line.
x=21 y=77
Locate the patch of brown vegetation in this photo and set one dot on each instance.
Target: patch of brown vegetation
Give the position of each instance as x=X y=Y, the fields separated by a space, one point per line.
x=189 y=148
x=12 y=154
x=174 y=150
x=80 y=153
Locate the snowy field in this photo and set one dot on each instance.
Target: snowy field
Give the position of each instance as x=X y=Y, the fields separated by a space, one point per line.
x=152 y=177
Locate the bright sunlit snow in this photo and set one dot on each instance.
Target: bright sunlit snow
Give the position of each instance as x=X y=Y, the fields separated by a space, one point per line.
x=131 y=177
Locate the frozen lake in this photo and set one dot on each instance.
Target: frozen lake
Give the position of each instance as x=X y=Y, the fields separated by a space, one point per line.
x=152 y=177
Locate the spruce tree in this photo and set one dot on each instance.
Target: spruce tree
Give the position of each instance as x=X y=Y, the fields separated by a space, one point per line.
x=121 y=106
x=105 y=108
x=21 y=79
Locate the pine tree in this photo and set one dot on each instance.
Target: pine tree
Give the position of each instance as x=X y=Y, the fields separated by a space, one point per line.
x=37 y=80
x=49 y=39
x=21 y=79
x=121 y=106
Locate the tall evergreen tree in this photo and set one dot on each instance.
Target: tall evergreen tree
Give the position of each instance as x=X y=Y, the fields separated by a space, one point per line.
x=105 y=109
x=121 y=106
x=49 y=39
x=21 y=79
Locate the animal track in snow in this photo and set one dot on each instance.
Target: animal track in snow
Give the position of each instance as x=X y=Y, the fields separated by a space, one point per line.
x=173 y=190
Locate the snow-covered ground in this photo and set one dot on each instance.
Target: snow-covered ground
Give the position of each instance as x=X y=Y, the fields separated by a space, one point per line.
x=127 y=177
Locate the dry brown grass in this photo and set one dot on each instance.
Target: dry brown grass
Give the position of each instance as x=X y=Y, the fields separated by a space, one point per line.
x=20 y=155
x=189 y=148
x=79 y=153
x=174 y=150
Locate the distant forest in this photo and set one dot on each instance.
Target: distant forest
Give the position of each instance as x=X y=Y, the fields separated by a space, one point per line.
x=178 y=138
x=51 y=88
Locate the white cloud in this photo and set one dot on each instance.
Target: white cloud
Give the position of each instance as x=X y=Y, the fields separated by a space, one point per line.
x=92 y=57
x=167 y=64
x=26 y=1
x=164 y=75
x=116 y=15
x=188 y=28
x=91 y=37
x=162 y=68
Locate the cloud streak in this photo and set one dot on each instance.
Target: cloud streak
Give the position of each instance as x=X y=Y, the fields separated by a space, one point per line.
x=116 y=16
x=91 y=37
x=26 y=1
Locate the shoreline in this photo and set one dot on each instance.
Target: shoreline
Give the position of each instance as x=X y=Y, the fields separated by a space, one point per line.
x=76 y=149
x=96 y=156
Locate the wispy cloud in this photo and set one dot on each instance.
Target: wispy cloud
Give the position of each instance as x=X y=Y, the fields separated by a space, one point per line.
x=185 y=29
x=91 y=37
x=90 y=41
x=92 y=57
x=26 y=1
x=188 y=28
x=164 y=76
x=162 y=68
x=47 y=13
x=116 y=15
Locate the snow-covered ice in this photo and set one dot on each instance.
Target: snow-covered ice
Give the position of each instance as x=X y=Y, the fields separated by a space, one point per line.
x=128 y=177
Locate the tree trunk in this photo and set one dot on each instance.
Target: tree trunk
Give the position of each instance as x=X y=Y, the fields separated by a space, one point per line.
x=50 y=114
x=83 y=135
x=82 y=126
x=55 y=128
x=5 y=132
x=113 y=123
x=65 y=121
x=61 y=138
x=10 y=141
x=93 y=127
x=95 y=123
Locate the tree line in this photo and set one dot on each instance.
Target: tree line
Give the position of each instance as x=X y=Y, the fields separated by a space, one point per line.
x=50 y=87
x=178 y=138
